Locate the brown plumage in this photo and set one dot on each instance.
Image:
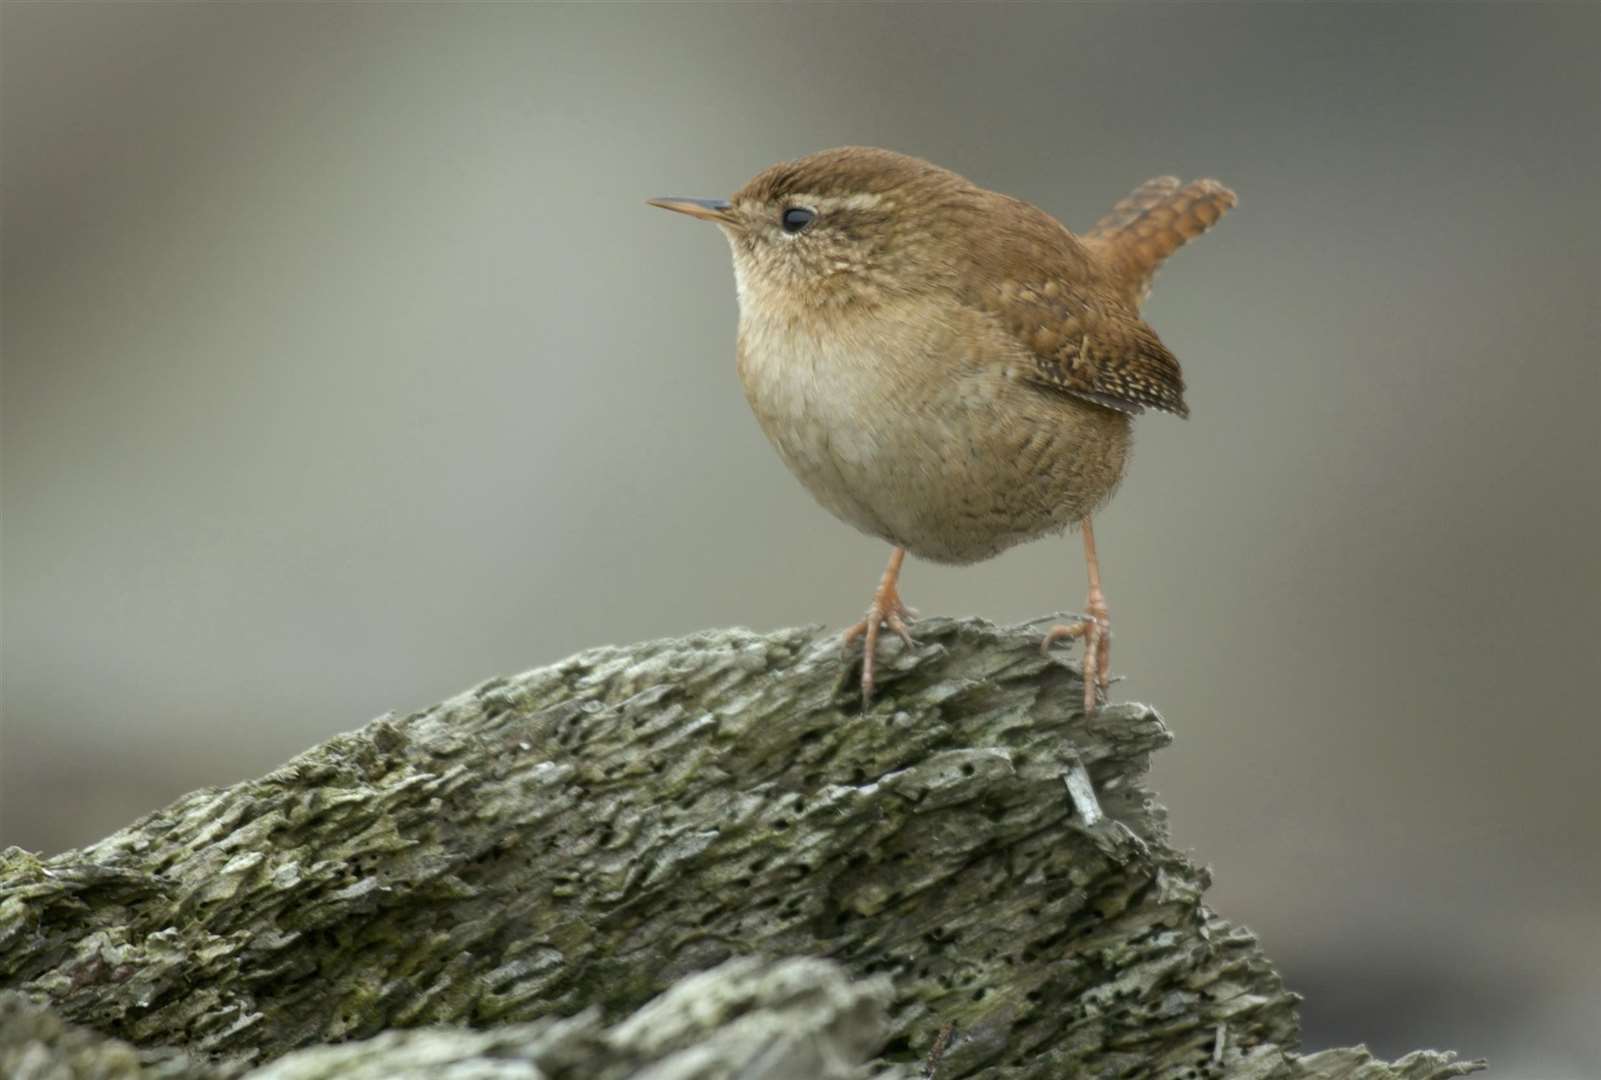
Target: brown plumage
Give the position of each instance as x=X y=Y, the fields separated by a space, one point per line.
x=1152 y=222
x=946 y=367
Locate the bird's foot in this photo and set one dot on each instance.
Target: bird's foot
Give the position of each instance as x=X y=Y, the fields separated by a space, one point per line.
x=1096 y=630
x=885 y=610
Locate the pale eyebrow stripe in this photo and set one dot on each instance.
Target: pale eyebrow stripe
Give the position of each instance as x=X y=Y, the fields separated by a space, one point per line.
x=860 y=201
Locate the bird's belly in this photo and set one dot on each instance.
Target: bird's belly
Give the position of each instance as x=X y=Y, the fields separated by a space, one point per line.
x=953 y=461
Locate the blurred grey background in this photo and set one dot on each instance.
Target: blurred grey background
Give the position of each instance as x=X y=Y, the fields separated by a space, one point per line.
x=344 y=366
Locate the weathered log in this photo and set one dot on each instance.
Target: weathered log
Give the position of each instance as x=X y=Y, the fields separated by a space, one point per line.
x=793 y=1019
x=586 y=835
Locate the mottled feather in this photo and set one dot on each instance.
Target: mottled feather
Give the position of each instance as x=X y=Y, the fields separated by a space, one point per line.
x=1044 y=287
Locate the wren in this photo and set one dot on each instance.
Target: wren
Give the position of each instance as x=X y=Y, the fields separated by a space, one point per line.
x=948 y=368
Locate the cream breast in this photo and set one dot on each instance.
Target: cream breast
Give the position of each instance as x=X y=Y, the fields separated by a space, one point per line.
x=815 y=398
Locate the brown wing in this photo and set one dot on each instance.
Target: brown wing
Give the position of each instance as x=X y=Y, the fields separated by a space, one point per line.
x=1057 y=300
x=1113 y=361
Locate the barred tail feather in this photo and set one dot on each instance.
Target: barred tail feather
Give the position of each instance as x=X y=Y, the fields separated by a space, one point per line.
x=1155 y=220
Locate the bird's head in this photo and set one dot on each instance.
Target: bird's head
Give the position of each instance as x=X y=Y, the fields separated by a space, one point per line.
x=855 y=226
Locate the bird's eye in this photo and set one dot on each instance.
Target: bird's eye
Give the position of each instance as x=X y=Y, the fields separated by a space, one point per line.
x=798 y=219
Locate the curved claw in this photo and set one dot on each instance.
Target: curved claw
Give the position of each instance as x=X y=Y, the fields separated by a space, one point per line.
x=896 y=621
x=885 y=610
x=1096 y=630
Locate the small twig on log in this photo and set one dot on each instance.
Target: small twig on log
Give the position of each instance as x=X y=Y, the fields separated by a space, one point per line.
x=938 y=1050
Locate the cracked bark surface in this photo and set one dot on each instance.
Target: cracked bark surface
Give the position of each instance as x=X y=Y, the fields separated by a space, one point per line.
x=534 y=863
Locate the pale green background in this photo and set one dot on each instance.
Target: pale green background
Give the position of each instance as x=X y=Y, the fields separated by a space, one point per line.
x=345 y=366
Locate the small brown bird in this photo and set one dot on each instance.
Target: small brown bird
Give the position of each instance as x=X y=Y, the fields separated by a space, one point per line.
x=948 y=368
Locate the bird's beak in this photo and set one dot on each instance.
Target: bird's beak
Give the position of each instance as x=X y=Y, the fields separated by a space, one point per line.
x=707 y=209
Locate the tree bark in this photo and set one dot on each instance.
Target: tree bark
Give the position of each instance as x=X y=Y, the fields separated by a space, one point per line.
x=546 y=862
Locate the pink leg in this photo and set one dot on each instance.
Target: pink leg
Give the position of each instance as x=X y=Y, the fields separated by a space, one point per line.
x=1095 y=629
x=885 y=610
